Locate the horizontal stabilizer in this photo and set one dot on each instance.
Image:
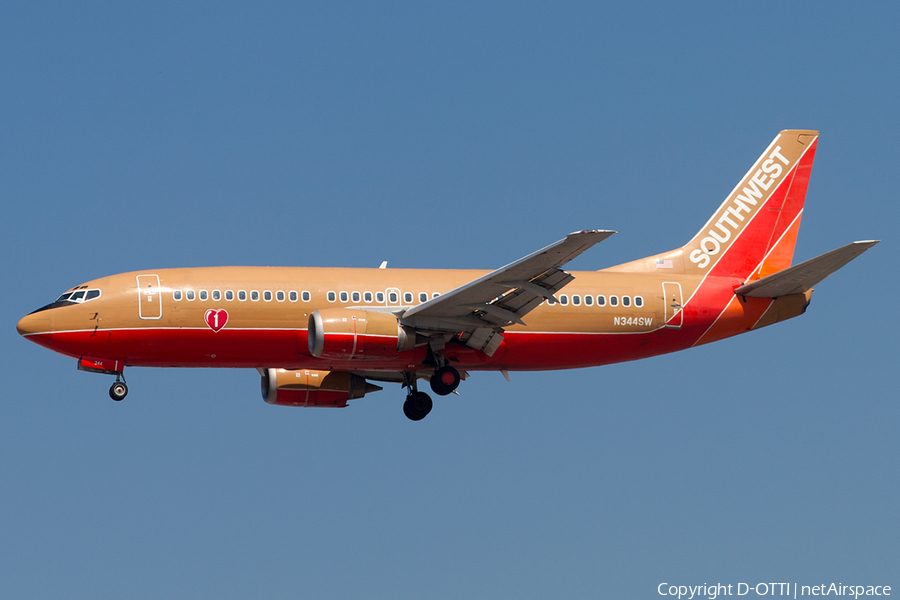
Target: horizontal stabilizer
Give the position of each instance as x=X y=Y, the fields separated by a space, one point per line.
x=802 y=277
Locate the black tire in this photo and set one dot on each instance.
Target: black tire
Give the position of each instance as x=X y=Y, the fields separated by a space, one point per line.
x=118 y=391
x=417 y=406
x=445 y=380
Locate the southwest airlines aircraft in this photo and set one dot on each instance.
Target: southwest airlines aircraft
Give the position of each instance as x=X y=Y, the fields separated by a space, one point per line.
x=319 y=336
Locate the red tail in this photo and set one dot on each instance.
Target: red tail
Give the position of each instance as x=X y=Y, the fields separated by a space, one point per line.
x=753 y=232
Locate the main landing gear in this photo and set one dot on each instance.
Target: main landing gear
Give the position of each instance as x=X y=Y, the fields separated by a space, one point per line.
x=418 y=404
x=445 y=380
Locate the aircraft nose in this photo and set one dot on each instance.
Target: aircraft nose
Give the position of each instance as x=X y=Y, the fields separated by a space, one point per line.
x=36 y=322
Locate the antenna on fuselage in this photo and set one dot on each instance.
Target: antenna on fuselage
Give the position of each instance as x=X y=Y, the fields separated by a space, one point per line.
x=383 y=265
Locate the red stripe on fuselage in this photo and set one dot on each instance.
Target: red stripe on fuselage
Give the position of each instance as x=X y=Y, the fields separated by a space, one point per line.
x=288 y=349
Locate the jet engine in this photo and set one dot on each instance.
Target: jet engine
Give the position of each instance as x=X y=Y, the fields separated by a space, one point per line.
x=343 y=334
x=305 y=387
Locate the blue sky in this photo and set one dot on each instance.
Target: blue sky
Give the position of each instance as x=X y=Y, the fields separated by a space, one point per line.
x=460 y=135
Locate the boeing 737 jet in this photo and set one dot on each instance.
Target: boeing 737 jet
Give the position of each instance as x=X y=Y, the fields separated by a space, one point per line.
x=321 y=336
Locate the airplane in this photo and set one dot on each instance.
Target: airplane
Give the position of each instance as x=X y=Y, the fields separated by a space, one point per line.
x=321 y=336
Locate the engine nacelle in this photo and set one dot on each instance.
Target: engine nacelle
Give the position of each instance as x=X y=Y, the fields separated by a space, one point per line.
x=305 y=387
x=344 y=334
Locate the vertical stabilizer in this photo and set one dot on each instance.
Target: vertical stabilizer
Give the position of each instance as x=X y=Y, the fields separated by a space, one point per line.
x=753 y=232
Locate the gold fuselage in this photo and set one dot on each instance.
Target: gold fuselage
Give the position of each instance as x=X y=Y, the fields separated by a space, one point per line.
x=151 y=327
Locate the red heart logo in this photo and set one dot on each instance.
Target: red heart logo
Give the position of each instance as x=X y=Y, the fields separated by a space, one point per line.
x=216 y=319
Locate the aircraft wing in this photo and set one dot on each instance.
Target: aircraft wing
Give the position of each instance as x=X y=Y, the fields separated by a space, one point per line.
x=504 y=296
x=802 y=277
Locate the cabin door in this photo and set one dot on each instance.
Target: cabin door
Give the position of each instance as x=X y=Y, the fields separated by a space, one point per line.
x=149 y=297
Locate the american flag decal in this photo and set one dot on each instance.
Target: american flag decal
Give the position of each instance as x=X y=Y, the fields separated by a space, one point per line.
x=664 y=264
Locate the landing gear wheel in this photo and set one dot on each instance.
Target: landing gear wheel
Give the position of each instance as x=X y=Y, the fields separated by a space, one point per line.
x=445 y=380
x=118 y=391
x=417 y=406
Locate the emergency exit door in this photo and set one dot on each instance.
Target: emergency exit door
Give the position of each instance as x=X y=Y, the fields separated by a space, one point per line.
x=673 y=300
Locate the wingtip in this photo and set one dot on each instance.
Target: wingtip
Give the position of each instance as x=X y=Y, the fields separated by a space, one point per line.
x=594 y=232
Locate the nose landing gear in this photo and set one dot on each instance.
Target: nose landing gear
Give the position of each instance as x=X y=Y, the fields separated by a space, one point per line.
x=118 y=390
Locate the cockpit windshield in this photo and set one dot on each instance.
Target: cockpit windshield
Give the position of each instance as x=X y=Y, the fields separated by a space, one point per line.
x=78 y=296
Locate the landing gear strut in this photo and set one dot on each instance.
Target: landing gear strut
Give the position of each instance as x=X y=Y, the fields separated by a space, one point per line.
x=445 y=380
x=118 y=390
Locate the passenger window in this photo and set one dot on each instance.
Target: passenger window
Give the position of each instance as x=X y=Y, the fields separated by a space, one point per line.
x=279 y=295
x=176 y=294
x=393 y=297
x=601 y=300
x=407 y=297
x=367 y=296
x=564 y=300
x=190 y=294
x=331 y=296
x=550 y=302
x=613 y=301
x=305 y=296
x=292 y=296
x=344 y=296
x=204 y=295
x=423 y=297
x=355 y=296
x=242 y=295
x=576 y=300
x=638 y=301
x=626 y=301
x=588 y=300
x=435 y=295
x=217 y=295
x=229 y=295
x=267 y=296
x=254 y=295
